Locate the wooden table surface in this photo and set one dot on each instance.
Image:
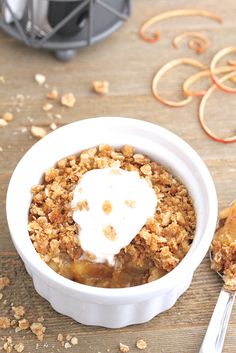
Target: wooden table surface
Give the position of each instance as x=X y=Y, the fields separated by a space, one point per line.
x=128 y=63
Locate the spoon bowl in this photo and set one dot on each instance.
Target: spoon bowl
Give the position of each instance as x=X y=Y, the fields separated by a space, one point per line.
x=214 y=338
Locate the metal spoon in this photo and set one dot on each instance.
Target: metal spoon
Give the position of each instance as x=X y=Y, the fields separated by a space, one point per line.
x=214 y=338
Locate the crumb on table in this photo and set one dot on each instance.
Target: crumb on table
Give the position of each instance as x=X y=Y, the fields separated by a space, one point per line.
x=18 y=311
x=5 y=322
x=141 y=344
x=40 y=79
x=123 y=348
x=38 y=329
x=4 y=282
x=68 y=100
x=101 y=87
x=38 y=131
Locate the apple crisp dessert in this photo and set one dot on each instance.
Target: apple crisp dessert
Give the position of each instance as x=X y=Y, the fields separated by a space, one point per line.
x=156 y=248
x=223 y=247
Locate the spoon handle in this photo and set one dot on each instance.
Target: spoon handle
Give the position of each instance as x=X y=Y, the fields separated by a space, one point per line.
x=214 y=338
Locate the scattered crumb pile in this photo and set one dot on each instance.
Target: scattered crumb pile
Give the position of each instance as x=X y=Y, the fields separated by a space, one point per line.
x=18 y=322
x=140 y=344
x=57 y=101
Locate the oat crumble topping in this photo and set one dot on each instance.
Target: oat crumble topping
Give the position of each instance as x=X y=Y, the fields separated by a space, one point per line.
x=68 y=100
x=19 y=347
x=68 y=337
x=83 y=205
x=159 y=246
x=4 y=282
x=8 y=345
x=101 y=87
x=130 y=203
x=53 y=126
x=18 y=311
x=40 y=79
x=46 y=107
x=7 y=116
x=53 y=95
x=74 y=341
x=24 y=324
x=141 y=344
x=5 y=322
x=38 y=131
x=123 y=348
x=60 y=337
x=107 y=206
x=38 y=329
x=2 y=80
x=3 y=123
x=110 y=233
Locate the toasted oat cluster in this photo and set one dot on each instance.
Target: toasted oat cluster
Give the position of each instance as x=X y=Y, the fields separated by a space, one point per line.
x=223 y=247
x=157 y=249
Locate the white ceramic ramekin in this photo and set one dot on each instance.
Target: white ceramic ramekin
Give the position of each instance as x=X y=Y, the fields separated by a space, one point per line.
x=112 y=307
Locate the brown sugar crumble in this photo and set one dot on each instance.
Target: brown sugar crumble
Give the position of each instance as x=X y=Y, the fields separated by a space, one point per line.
x=101 y=87
x=23 y=324
x=68 y=100
x=130 y=203
x=223 y=247
x=38 y=131
x=19 y=347
x=53 y=95
x=18 y=311
x=53 y=126
x=38 y=329
x=4 y=282
x=68 y=341
x=5 y=322
x=123 y=348
x=107 y=206
x=7 y=116
x=12 y=343
x=40 y=79
x=48 y=106
x=110 y=233
x=158 y=247
x=8 y=345
x=2 y=80
x=82 y=205
x=141 y=344
x=3 y=123
x=60 y=337
x=74 y=341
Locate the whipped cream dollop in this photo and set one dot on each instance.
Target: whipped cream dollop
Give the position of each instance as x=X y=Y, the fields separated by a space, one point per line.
x=111 y=205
